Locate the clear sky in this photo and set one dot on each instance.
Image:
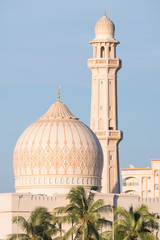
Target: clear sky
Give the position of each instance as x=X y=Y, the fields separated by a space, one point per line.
x=45 y=43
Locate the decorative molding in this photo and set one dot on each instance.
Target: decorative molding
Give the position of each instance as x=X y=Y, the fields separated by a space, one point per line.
x=61 y=181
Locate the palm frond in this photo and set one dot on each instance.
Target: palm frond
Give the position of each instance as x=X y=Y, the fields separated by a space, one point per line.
x=148 y=236
x=39 y=225
x=135 y=224
x=72 y=231
x=60 y=210
x=104 y=222
x=93 y=231
x=66 y=218
x=107 y=235
x=97 y=205
x=104 y=209
x=21 y=221
x=122 y=212
x=38 y=238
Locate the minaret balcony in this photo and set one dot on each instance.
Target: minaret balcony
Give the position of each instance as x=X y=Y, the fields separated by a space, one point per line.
x=102 y=62
x=115 y=135
x=114 y=63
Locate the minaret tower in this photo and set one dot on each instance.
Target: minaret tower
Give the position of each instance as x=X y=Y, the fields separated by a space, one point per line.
x=104 y=122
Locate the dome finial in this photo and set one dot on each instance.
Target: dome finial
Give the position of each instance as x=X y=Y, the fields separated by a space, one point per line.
x=58 y=93
x=104 y=12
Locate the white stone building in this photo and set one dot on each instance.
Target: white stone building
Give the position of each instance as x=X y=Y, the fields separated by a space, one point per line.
x=58 y=151
x=144 y=182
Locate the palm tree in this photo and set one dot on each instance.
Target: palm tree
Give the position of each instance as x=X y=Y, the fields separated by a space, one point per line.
x=38 y=227
x=134 y=224
x=84 y=215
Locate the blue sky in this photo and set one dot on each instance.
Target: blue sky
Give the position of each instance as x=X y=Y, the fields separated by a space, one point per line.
x=45 y=43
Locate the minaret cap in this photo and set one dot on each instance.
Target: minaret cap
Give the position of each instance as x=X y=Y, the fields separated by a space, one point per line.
x=104 y=28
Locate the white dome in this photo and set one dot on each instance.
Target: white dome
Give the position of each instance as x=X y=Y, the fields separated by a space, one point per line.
x=56 y=153
x=104 y=28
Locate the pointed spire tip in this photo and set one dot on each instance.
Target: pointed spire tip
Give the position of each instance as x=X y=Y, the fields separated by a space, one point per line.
x=58 y=97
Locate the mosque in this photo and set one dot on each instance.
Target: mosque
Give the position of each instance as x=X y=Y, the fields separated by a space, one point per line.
x=58 y=151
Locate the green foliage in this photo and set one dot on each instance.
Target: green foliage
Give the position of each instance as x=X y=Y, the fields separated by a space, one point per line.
x=38 y=227
x=133 y=224
x=84 y=214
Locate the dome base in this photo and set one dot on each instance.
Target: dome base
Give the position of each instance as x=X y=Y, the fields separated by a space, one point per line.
x=55 y=184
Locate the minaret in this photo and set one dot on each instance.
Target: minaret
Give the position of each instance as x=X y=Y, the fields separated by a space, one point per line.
x=104 y=122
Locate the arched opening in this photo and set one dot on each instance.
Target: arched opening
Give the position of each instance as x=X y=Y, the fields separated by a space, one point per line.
x=102 y=52
x=156 y=173
x=62 y=180
x=111 y=124
x=67 y=180
x=144 y=194
x=156 y=186
x=109 y=52
x=144 y=180
x=131 y=192
x=130 y=181
x=101 y=124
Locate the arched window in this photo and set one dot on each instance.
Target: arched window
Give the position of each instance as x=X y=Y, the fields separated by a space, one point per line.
x=131 y=192
x=144 y=194
x=101 y=124
x=156 y=173
x=111 y=124
x=156 y=187
x=102 y=52
x=56 y=181
x=62 y=180
x=109 y=54
x=67 y=180
x=130 y=181
x=144 y=180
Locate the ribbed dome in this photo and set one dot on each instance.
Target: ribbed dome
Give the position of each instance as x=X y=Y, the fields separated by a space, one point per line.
x=57 y=152
x=104 y=28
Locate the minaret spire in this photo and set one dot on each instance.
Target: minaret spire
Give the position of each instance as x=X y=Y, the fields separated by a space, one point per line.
x=104 y=12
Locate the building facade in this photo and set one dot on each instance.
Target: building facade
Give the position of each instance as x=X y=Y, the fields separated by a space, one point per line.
x=144 y=182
